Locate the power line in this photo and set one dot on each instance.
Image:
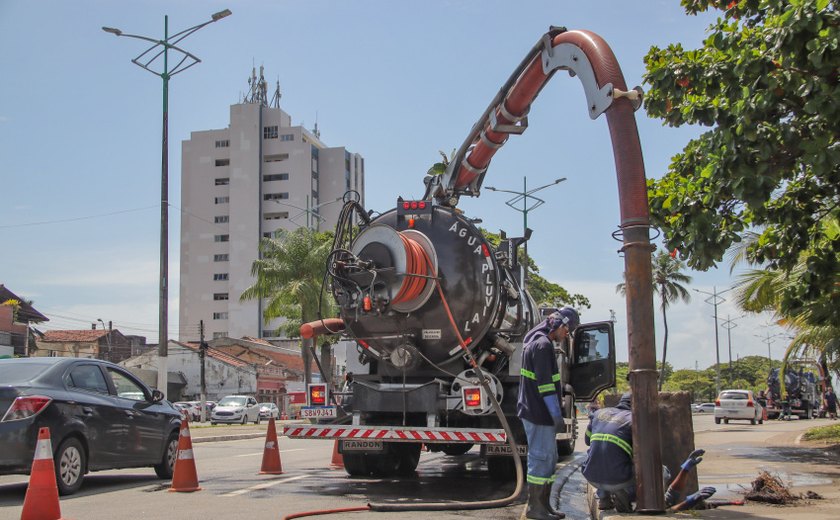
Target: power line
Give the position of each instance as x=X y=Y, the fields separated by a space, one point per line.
x=74 y=219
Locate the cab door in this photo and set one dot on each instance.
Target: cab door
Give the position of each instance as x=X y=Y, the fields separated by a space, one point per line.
x=593 y=360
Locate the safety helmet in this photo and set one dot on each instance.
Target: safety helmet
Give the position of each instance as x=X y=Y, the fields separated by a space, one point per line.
x=570 y=318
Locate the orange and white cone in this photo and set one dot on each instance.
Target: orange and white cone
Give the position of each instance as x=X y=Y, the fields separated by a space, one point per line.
x=271 y=455
x=41 y=501
x=337 y=460
x=184 y=478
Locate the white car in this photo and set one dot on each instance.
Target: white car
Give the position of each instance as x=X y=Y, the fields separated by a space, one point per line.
x=738 y=405
x=269 y=410
x=236 y=409
x=703 y=408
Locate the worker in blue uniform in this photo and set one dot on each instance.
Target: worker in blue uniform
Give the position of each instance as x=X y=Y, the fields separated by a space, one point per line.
x=538 y=406
x=609 y=462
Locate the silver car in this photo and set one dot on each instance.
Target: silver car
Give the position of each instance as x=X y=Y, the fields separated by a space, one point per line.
x=738 y=405
x=269 y=410
x=234 y=409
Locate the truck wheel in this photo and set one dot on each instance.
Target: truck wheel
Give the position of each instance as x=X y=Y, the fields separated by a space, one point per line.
x=501 y=468
x=565 y=447
x=355 y=464
x=409 y=457
x=384 y=464
x=717 y=420
x=457 y=449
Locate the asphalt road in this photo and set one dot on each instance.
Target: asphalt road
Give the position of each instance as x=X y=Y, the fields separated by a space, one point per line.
x=231 y=485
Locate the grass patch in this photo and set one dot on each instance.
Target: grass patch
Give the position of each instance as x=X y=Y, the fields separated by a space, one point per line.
x=824 y=433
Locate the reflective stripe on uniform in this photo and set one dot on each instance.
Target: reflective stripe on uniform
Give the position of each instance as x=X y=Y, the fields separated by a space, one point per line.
x=531 y=479
x=546 y=388
x=527 y=373
x=618 y=441
x=555 y=378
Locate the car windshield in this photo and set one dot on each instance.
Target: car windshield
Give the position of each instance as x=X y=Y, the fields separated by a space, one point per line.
x=233 y=401
x=734 y=395
x=17 y=373
x=266 y=405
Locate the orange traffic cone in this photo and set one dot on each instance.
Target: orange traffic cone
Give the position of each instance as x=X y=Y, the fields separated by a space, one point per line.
x=271 y=456
x=41 y=501
x=337 y=460
x=184 y=478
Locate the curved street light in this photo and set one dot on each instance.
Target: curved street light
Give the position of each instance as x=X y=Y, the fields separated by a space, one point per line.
x=147 y=61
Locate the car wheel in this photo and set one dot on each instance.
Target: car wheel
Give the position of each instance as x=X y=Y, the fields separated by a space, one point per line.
x=717 y=420
x=244 y=418
x=166 y=466
x=69 y=466
x=761 y=421
x=726 y=421
x=752 y=421
x=257 y=420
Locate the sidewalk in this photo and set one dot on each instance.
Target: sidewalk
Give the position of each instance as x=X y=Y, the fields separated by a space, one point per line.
x=801 y=466
x=203 y=432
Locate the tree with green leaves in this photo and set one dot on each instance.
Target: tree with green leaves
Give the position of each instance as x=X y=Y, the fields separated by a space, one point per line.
x=667 y=283
x=765 y=83
x=288 y=277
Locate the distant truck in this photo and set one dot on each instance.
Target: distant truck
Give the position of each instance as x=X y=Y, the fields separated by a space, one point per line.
x=801 y=391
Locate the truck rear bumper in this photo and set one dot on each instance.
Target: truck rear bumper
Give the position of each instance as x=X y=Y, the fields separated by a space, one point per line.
x=398 y=434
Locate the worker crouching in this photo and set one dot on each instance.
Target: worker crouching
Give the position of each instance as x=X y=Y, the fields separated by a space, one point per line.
x=538 y=407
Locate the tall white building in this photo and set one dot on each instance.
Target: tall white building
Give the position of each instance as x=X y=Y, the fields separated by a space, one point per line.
x=239 y=184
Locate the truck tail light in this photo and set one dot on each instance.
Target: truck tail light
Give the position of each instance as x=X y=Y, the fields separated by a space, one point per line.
x=317 y=394
x=26 y=406
x=472 y=397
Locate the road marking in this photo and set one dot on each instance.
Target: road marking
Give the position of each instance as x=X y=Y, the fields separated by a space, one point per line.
x=260 y=453
x=264 y=485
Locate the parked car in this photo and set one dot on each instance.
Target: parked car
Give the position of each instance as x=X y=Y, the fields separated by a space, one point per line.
x=269 y=410
x=740 y=405
x=100 y=417
x=236 y=409
x=190 y=408
x=703 y=408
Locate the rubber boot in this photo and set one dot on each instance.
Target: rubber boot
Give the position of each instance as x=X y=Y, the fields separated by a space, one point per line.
x=547 y=501
x=537 y=509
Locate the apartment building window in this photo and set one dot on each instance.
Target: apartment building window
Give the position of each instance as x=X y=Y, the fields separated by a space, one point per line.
x=220 y=315
x=221 y=238
x=270 y=132
x=222 y=162
x=220 y=258
x=276 y=216
x=277 y=157
x=276 y=196
x=222 y=200
x=276 y=177
x=221 y=219
x=287 y=137
x=219 y=296
x=223 y=143
x=217 y=335
x=220 y=276
x=222 y=181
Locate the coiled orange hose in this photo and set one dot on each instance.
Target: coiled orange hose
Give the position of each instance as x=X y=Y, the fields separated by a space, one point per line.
x=416 y=268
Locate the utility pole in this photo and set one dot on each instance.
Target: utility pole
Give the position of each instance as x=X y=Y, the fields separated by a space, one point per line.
x=714 y=299
x=202 y=353
x=730 y=324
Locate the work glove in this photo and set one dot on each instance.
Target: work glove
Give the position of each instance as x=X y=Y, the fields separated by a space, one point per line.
x=553 y=405
x=695 y=458
x=692 y=500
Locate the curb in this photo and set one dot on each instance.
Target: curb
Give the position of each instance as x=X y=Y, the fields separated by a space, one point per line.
x=220 y=438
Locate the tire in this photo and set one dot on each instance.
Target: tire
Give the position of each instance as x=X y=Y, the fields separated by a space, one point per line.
x=717 y=420
x=501 y=469
x=761 y=421
x=565 y=447
x=213 y=424
x=457 y=449
x=355 y=464
x=726 y=421
x=752 y=421
x=166 y=466
x=385 y=464
x=409 y=458
x=70 y=464
x=257 y=420
x=244 y=419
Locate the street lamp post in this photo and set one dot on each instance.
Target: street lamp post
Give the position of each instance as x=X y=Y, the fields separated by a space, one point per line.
x=523 y=197
x=107 y=337
x=714 y=299
x=146 y=60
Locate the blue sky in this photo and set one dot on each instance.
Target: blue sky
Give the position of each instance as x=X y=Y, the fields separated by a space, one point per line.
x=80 y=129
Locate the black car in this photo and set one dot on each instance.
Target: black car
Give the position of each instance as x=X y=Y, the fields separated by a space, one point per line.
x=100 y=417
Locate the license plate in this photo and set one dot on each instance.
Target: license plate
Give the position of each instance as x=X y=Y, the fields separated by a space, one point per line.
x=318 y=412
x=362 y=445
x=504 y=449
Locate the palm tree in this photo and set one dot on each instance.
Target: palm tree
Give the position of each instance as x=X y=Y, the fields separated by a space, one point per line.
x=289 y=275
x=667 y=283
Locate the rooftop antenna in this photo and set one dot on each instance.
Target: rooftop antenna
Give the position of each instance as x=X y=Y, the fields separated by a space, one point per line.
x=275 y=100
x=315 y=130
